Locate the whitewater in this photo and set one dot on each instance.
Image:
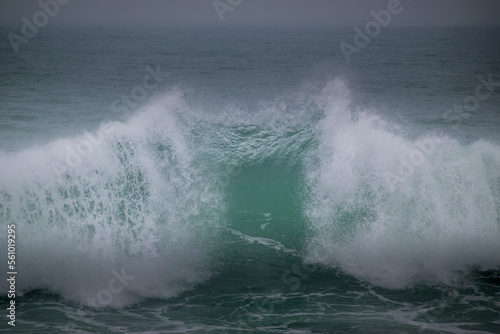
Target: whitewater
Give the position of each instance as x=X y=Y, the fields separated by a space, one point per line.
x=318 y=206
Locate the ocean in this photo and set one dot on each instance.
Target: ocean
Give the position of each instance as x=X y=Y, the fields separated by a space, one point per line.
x=250 y=180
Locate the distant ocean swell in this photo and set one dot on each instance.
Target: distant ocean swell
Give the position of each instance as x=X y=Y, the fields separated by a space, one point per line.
x=141 y=208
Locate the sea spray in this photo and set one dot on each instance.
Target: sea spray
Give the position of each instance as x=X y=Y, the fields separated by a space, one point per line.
x=439 y=223
x=157 y=196
x=136 y=204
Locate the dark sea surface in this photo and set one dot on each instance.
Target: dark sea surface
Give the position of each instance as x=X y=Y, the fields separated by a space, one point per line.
x=252 y=180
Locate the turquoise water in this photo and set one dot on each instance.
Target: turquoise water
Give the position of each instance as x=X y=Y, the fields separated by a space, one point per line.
x=250 y=180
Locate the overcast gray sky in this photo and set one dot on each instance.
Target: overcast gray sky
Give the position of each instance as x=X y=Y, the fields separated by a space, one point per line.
x=254 y=12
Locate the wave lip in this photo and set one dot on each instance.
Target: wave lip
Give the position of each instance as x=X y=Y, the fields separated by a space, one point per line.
x=436 y=225
x=131 y=218
x=147 y=198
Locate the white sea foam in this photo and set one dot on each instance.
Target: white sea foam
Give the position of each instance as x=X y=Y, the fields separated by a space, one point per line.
x=435 y=223
x=131 y=204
